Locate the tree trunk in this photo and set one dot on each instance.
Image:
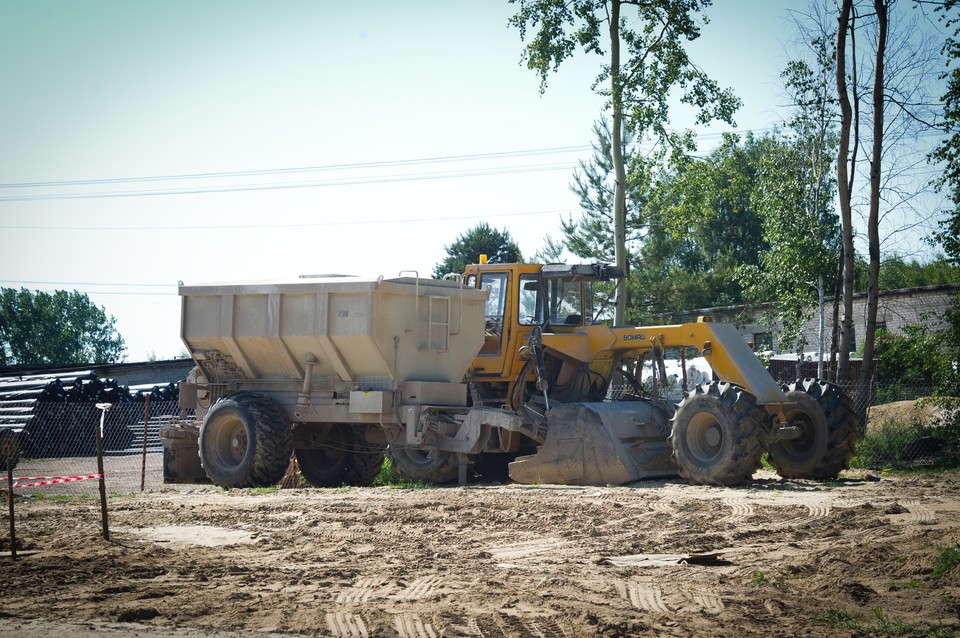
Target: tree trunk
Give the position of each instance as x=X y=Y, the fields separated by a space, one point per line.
x=835 y=325
x=873 y=220
x=843 y=188
x=616 y=147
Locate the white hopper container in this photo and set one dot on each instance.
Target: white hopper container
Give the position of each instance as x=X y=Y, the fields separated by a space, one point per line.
x=370 y=332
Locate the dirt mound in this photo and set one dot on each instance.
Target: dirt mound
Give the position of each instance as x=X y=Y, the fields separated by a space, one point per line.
x=903 y=414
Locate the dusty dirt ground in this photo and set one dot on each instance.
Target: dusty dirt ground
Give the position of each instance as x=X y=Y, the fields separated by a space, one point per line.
x=849 y=557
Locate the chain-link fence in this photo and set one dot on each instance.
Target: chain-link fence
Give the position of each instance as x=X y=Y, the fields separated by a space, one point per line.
x=59 y=440
x=901 y=428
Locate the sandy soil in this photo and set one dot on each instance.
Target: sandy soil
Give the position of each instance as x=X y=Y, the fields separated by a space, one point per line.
x=793 y=558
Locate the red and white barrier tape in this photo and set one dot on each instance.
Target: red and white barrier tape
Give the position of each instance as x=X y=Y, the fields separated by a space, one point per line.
x=49 y=480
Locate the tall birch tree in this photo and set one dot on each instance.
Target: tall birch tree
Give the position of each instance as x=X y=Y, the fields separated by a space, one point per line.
x=644 y=60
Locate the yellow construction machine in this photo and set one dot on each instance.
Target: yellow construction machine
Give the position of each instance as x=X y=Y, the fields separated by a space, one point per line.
x=501 y=367
x=544 y=358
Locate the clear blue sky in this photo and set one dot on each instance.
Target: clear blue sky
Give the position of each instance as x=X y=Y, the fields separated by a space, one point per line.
x=361 y=94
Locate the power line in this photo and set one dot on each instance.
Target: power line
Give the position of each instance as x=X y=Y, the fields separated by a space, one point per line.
x=233 y=226
x=300 y=169
x=153 y=192
x=286 y=185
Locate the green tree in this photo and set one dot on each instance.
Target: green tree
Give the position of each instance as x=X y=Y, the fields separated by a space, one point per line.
x=915 y=358
x=41 y=328
x=703 y=225
x=948 y=154
x=794 y=193
x=638 y=84
x=803 y=236
x=588 y=236
x=482 y=239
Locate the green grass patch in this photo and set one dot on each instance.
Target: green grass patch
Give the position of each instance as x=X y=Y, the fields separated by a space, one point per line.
x=880 y=625
x=834 y=617
x=269 y=489
x=910 y=584
x=909 y=446
x=389 y=478
x=948 y=558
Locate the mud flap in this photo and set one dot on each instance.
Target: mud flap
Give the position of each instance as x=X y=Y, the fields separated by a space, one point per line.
x=600 y=444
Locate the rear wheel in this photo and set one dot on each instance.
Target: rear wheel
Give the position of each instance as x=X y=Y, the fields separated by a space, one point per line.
x=341 y=458
x=715 y=435
x=828 y=437
x=431 y=466
x=245 y=441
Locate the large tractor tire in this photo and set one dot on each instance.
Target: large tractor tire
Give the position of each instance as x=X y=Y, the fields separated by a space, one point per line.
x=429 y=466
x=342 y=459
x=715 y=435
x=828 y=432
x=245 y=441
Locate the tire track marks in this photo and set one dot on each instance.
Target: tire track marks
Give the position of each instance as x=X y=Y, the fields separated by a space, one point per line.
x=364 y=590
x=644 y=596
x=918 y=513
x=412 y=626
x=346 y=625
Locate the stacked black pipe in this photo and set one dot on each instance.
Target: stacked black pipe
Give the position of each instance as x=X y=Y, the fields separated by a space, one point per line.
x=56 y=415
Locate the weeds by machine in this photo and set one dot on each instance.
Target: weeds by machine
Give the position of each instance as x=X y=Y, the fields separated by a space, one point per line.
x=501 y=368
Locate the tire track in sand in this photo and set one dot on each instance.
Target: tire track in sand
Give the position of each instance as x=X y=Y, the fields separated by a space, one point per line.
x=526 y=549
x=540 y=628
x=363 y=590
x=919 y=514
x=424 y=587
x=346 y=625
x=742 y=510
x=644 y=596
x=412 y=626
x=709 y=602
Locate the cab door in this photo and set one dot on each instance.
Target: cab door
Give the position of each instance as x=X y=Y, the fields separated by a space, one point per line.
x=494 y=357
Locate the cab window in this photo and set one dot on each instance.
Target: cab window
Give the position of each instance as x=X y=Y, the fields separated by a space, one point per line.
x=531 y=301
x=566 y=303
x=496 y=283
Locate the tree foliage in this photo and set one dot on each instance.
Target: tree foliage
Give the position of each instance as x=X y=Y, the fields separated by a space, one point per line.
x=794 y=191
x=59 y=328
x=948 y=155
x=689 y=225
x=915 y=358
x=482 y=239
x=638 y=84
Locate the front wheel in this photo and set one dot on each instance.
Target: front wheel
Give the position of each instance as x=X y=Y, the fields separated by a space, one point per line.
x=715 y=435
x=828 y=433
x=340 y=458
x=430 y=466
x=245 y=441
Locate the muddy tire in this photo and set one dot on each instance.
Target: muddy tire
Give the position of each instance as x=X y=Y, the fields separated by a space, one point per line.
x=828 y=423
x=429 y=466
x=715 y=435
x=9 y=451
x=245 y=441
x=342 y=459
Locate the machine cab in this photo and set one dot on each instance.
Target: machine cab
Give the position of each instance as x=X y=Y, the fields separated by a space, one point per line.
x=556 y=297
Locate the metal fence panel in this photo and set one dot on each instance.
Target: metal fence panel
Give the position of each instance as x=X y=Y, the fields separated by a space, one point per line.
x=60 y=441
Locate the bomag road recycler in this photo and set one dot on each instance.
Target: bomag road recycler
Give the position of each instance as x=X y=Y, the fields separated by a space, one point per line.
x=500 y=367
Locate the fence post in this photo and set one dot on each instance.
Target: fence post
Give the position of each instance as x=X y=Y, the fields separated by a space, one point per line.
x=13 y=527
x=143 y=463
x=103 y=407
